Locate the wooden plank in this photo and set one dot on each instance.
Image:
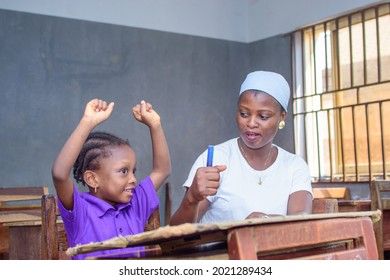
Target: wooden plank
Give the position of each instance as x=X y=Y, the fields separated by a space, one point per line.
x=354 y=205
x=25 y=243
x=332 y=192
x=357 y=234
x=11 y=216
x=22 y=193
x=327 y=205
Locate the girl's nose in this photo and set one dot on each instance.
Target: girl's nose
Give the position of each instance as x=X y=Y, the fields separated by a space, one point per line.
x=132 y=179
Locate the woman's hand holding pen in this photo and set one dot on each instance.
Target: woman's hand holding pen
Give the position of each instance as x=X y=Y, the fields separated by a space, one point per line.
x=206 y=182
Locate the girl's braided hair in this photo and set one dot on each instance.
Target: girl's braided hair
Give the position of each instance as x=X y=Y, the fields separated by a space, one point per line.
x=95 y=148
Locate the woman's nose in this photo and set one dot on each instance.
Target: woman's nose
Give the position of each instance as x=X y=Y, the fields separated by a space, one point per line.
x=252 y=123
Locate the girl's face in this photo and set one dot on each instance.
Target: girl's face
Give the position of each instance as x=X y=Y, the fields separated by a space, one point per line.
x=116 y=176
x=258 y=116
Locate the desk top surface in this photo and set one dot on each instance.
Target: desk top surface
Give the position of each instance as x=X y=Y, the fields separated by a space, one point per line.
x=214 y=232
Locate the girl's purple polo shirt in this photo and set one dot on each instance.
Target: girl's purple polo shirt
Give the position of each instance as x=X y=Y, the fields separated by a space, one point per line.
x=94 y=220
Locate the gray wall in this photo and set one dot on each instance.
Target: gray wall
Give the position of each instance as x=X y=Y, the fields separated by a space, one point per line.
x=50 y=67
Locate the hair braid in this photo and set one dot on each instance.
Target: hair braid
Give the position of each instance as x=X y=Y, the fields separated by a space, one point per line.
x=95 y=148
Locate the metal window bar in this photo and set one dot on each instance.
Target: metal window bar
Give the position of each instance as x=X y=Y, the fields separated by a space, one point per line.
x=350 y=50
x=363 y=16
x=368 y=142
x=330 y=147
x=355 y=144
x=341 y=143
x=378 y=57
x=337 y=87
x=339 y=110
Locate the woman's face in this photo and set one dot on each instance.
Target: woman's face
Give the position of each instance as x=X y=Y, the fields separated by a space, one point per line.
x=116 y=175
x=258 y=116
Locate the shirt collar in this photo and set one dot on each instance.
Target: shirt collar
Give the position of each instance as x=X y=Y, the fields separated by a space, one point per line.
x=102 y=207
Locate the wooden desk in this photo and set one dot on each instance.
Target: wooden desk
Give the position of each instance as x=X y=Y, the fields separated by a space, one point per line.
x=25 y=240
x=30 y=232
x=347 y=205
x=25 y=209
x=9 y=217
x=304 y=236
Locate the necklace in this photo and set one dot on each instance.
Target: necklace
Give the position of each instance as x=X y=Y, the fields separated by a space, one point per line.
x=250 y=163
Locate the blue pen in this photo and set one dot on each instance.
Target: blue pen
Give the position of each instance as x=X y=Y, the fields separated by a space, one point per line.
x=210 y=155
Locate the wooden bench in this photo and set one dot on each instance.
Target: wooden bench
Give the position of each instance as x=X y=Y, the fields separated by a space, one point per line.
x=30 y=196
x=17 y=204
x=380 y=199
x=343 y=196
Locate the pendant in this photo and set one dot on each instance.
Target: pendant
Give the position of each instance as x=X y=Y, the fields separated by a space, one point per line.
x=260 y=182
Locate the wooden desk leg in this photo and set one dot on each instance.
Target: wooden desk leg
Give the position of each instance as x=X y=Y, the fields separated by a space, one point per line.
x=379 y=237
x=25 y=243
x=4 y=243
x=241 y=250
x=369 y=239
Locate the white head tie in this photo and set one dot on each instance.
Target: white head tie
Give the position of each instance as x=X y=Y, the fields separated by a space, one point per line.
x=272 y=83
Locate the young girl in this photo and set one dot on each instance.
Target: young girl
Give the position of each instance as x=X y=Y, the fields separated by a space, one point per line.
x=115 y=204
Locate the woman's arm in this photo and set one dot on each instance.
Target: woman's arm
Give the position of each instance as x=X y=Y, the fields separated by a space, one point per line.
x=194 y=203
x=300 y=202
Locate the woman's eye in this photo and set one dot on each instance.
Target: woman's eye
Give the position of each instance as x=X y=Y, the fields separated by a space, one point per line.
x=244 y=115
x=264 y=117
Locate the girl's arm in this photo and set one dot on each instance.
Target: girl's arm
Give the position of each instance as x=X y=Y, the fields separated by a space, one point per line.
x=96 y=111
x=144 y=113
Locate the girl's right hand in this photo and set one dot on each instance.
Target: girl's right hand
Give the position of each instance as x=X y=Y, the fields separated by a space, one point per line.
x=98 y=110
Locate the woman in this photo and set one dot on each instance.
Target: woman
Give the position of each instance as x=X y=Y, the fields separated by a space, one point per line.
x=251 y=176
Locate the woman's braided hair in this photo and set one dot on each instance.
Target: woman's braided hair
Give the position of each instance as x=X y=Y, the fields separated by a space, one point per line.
x=95 y=148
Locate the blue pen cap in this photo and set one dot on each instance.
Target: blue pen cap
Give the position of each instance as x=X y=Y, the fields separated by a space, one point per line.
x=210 y=155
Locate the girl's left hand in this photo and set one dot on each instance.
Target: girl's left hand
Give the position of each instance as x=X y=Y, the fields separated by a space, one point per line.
x=144 y=113
x=98 y=110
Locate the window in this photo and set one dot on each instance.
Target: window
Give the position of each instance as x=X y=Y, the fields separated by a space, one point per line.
x=341 y=98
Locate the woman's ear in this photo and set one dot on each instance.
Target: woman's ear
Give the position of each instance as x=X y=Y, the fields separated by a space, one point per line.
x=283 y=115
x=91 y=179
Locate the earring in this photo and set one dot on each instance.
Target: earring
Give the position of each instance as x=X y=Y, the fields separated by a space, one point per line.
x=95 y=190
x=282 y=124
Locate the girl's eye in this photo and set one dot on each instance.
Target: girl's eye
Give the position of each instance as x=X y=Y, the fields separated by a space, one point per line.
x=124 y=171
x=244 y=115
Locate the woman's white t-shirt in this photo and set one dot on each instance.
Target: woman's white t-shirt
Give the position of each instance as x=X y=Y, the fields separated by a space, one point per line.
x=239 y=193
